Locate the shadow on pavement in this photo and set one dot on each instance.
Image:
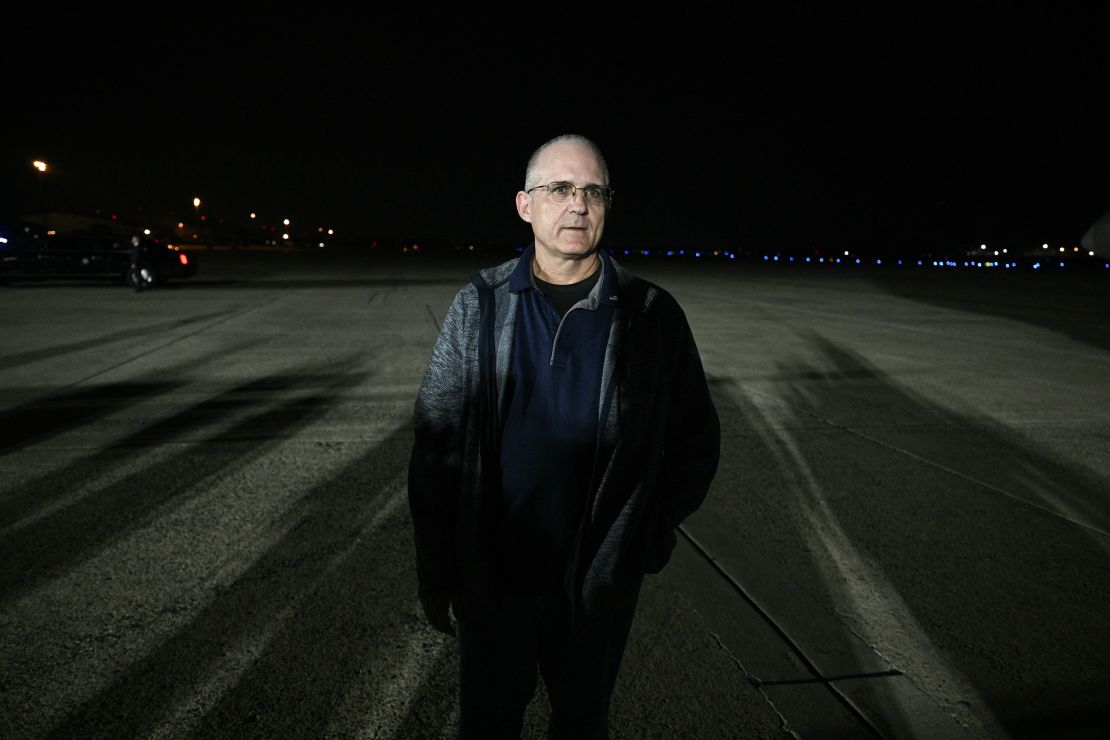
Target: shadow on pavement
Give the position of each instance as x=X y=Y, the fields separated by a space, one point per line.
x=24 y=358
x=73 y=533
x=1076 y=306
x=970 y=559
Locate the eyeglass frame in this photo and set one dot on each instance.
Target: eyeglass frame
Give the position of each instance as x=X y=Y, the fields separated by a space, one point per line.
x=606 y=191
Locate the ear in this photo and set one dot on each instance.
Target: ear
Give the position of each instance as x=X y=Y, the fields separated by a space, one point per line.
x=524 y=206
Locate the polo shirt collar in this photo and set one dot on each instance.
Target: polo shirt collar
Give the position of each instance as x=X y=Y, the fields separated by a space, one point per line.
x=605 y=291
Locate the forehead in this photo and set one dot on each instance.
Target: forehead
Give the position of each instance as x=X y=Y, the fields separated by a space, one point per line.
x=569 y=161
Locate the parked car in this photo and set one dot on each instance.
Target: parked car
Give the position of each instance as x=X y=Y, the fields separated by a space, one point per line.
x=140 y=262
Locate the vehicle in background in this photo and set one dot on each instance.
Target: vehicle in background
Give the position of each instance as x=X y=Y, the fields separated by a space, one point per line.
x=140 y=262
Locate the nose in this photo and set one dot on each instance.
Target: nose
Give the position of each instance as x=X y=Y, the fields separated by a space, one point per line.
x=574 y=202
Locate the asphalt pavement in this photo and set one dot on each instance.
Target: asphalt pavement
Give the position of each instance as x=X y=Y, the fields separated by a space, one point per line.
x=204 y=532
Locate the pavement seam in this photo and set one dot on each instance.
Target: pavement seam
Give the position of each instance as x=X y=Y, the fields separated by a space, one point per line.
x=931 y=463
x=789 y=642
x=783 y=721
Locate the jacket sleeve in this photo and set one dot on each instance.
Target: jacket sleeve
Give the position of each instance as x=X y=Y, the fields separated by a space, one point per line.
x=435 y=466
x=692 y=443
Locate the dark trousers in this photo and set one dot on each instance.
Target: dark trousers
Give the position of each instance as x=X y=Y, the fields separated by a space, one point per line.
x=507 y=641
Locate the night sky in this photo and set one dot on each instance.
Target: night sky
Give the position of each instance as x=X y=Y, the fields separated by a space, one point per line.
x=903 y=128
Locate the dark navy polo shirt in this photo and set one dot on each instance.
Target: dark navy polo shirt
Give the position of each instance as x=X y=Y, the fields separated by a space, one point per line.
x=549 y=429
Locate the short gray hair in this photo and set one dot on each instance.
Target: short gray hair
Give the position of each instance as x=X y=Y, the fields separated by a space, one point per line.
x=530 y=170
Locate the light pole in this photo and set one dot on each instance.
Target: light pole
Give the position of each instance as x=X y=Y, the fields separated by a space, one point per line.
x=196 y=212
x=42 y=167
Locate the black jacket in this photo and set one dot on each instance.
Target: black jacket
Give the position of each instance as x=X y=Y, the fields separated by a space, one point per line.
x=657 y=450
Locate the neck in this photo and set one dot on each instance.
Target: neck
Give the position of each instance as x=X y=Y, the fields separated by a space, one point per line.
x=565 y=271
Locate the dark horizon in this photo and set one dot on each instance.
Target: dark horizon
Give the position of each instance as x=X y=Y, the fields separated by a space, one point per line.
x=782 y=129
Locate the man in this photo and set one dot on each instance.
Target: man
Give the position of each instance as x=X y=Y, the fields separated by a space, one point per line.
x=138 y=270
x=563 y=430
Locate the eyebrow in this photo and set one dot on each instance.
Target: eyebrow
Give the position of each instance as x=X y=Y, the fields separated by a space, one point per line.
x=571 y=182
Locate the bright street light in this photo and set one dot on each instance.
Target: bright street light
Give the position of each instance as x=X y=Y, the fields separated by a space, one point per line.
x=39 y=165
x=196 y=213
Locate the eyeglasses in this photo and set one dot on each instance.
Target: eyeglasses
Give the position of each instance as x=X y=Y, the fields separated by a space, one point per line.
x=595 y=195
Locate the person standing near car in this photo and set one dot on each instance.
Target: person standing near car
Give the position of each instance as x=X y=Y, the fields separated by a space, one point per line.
x=563 y=429
x=135 y=272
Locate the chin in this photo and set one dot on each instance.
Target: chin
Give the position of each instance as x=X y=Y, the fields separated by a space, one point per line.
x=578 y=247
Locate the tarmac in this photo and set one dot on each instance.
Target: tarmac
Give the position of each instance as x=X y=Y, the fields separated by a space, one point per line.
x=204 y=531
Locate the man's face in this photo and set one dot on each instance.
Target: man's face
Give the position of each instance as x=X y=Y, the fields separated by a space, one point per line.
x=570 y=229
